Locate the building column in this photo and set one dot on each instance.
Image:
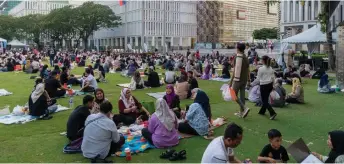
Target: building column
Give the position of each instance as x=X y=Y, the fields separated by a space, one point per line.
x=181 y=41
x=319 y=6
x=294 y=10
x=163 y=43
x=189 y=41
x=88 y=42
x=136 y=41
x=300 y=12
x=171 y=41
x=153 y=41
x=306 y=10
x=282 y=13
x=312 y=10
x=288 y=10
x=131 y=42
x=120 y=42
x=142 y=42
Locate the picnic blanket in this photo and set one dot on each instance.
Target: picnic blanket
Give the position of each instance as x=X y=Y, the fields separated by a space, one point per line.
x=220 y=79
x=22 y=119
x=126 y=85
x=218 y=122
x=4 y=92
x=75 y=93
x=157 y=95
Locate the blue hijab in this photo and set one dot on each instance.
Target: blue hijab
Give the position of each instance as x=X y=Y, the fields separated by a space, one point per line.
x=323 y=80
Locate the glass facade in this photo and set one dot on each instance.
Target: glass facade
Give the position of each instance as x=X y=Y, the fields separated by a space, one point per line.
x=8 y=5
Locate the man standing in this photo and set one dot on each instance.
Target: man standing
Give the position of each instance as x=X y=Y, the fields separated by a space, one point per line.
x=220 y=150
x=52 y=54
x=240 y=79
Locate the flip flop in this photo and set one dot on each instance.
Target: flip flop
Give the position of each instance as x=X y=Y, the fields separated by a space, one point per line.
x=178 y=156
x=167 y=154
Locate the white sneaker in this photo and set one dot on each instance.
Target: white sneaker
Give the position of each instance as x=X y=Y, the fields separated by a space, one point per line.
x=246 y=111
x=238 y=114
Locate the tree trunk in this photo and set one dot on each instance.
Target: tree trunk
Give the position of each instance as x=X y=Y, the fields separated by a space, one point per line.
x=84 y=42
x=340 y=57
x=330 y=52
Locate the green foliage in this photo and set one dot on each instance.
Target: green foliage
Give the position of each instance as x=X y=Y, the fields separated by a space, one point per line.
x=265 y=33
x=323 y=17
x=8 y=28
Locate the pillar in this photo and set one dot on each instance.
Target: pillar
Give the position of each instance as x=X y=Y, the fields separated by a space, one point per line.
x=294 y=11
x=282 y=13
x=319 y=6
x=288 y=10
x=189 y=41
x=312 y=10
x=153 y=41
x=120 y=42
x=306 y=10
x=131 y=42
x=88 y=42
x=340 y=57
x=136 y=41
x=171 y=41
x=300 y=12
x=181 y=41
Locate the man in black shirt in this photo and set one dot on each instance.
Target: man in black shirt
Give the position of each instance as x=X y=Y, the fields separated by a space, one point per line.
x=76 y=120
x=52 y=54
x=192 y=82
x=274 y=152
x=53 y=87
x=153 y=78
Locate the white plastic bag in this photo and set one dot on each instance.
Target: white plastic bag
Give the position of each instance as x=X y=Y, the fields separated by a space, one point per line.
x=225 y=92
x=274 y=95
x=18 y=111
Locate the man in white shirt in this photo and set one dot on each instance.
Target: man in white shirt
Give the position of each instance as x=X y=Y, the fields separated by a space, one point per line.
x=170 y=76
x=101 y=138
x=221 y=149
x=90 y=83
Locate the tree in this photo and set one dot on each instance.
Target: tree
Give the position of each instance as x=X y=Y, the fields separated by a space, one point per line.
x=8 y=27
x=324 y=18
x=32 y=27
x=265 y=33
x=91 y=17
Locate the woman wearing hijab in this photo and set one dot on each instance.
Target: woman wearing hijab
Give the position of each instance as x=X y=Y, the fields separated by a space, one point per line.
x=99 y=99
x=297 y=94
x=129 y=109
x=278 y=100
x=40 y=102
x=207 y=75
x=324 y=85
x=172 y=100
x=197 y=119
x=162 y=126
x=131 y=68
x=44 y=72
x=335 y=142
x=136 y=81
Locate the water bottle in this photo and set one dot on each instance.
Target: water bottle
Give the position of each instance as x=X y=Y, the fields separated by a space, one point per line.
x=71 y=102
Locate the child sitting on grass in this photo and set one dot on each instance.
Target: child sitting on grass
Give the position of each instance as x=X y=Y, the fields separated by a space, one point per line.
x=274 y=152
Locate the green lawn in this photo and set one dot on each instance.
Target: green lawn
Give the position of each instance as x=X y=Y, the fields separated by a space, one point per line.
x=40 y=141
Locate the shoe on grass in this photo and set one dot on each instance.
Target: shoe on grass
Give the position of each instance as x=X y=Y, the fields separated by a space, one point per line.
x=273 y=117
x=246 y=111
x=238 y=114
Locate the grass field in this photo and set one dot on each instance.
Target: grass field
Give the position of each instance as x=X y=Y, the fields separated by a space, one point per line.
x=40 y=141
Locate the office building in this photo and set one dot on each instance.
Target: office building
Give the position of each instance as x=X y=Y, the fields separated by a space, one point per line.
x=157 y=24
x=7 y=5
x=36 y=7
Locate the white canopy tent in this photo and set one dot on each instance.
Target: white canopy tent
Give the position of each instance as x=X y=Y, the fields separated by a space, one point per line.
x=313 y=37
x=3 y=40
x=16 y=43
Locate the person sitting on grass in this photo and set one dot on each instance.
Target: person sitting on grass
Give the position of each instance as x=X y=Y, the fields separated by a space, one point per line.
x=40 y=103
x=53 y=87
x=335 y=142
x=197 y=119
x=44 y=74
x=161 y=131
x=153 y=78
x=182 y=89
x=99 y=99
x=274 y=152
x=172 y=100
x=136 y=81
x=90 y=83
x=192 y=83
x=101 y=138
x=324 y=85
x=278 y=88
x=221 y=149
x=76 y=120
x=66 y=79
x=297 y=95
x=130 y=110
x=170 y=76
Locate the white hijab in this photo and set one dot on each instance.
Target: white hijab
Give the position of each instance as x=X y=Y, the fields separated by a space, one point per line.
x=127 y=103
x=39 y=90
x=165 y=115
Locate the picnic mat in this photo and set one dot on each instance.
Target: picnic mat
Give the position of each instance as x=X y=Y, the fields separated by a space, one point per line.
x=126 y=85
x=133 y=140
x=220 y=79
x=75 y=93
x=22 y=119
x=214 y=126
x=157 y=95
x=4 y=92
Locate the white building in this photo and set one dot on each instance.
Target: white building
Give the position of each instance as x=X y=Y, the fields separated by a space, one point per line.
x=36 y=7
x=154 y=23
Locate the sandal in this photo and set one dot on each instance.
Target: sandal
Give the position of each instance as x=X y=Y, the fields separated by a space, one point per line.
x=167 y=154
x=178 y=156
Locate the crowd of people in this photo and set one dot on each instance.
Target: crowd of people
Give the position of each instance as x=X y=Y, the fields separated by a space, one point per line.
x=96 y=126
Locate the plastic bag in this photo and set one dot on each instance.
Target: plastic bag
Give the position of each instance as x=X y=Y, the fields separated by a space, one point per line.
x=228 y=93
x=5 y=111
x=18 y=110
